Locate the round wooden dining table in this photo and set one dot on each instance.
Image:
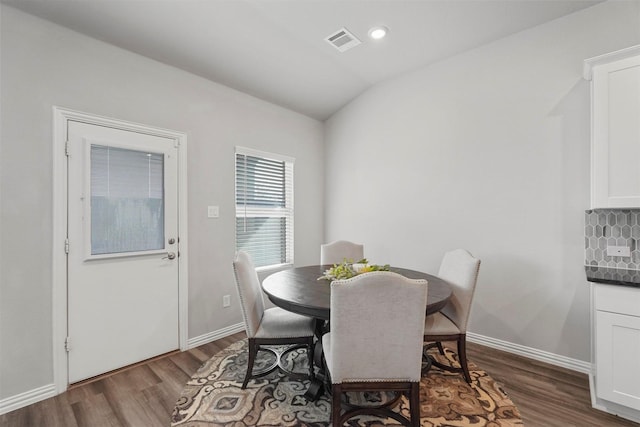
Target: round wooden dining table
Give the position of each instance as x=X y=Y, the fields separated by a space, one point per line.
x=300 y=291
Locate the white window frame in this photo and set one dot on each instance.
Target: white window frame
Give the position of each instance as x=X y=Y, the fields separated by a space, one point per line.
x=287 y=212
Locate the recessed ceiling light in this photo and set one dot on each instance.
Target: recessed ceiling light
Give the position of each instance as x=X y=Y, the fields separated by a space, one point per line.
x=378 y=33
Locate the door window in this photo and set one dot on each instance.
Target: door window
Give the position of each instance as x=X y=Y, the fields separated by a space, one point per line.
x=127 y=200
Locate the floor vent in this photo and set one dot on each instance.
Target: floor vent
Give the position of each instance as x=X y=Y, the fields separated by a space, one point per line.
x=343 y=40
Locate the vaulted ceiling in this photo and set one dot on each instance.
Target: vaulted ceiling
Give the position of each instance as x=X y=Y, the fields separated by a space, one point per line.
x=276 y=49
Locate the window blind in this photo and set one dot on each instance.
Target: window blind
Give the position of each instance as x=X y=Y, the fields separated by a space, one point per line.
x=127 y=200
x=264 y=207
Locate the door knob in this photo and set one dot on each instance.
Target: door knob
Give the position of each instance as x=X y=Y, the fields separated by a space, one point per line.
x=170 y=255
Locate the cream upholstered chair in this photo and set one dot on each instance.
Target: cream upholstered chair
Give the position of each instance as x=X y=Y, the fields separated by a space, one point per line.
x=336 y=252
x=460 y=269
x=375 y=343
x=271 y=326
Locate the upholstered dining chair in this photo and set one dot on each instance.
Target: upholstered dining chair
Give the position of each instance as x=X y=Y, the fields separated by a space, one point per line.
x=271 y=326
x=460 y=269
x=375 y=343
x=336 y=252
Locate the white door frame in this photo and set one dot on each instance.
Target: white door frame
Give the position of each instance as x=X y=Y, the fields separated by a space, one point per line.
x=60 y=197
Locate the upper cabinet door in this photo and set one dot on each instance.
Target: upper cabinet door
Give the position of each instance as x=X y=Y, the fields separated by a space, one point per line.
x=615 y=131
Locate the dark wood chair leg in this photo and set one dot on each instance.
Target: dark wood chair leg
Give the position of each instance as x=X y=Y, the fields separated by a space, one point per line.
x=414 y=402
x=336 y=405
x=440 y=348
x=253 y=350
x=462 y=354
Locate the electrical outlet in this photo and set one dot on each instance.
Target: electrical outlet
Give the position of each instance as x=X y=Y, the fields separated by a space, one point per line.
x=619 y=251
x=226 y=301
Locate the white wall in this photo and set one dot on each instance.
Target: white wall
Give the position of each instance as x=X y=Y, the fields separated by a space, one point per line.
x=488 y=151
x=45 y=65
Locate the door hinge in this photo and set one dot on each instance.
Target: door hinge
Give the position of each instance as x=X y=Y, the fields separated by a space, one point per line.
x=66 y=246
x=66 y=148
x=67 y=344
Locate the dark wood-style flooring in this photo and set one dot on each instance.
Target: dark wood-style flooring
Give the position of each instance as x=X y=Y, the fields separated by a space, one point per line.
x=144 y=395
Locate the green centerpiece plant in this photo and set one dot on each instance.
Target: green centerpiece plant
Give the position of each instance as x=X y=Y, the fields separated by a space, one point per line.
x=348 y=269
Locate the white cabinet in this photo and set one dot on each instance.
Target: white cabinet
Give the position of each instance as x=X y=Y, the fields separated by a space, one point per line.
x=616 y=348
x=618 y=358
x=615 y=129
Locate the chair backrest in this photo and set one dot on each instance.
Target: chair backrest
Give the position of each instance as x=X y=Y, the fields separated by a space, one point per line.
x=460 y=269
x=336 y=252
x=377 y=327
x=248 y=284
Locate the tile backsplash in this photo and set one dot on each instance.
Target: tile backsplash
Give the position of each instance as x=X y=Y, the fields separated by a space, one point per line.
x=612 y=227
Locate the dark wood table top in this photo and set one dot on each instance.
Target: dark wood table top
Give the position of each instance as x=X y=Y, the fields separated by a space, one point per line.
x=298 y=290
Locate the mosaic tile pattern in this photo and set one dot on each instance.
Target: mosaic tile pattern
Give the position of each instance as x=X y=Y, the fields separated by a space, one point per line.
x=612 y=227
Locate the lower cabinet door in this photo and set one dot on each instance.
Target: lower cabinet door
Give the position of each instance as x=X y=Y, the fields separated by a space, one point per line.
x=618 y=358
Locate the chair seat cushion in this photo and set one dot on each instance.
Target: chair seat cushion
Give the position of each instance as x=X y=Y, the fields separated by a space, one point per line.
x=279 y=323
x=439 y=324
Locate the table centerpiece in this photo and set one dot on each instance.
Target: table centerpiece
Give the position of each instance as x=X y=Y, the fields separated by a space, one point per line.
x=348 y=269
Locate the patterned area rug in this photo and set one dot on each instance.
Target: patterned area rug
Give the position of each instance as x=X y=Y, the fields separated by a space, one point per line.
x=213 y=397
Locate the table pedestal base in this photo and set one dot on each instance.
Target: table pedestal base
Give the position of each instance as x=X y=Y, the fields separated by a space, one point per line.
x=427 y=360
x=319 y=382
x=315 y=390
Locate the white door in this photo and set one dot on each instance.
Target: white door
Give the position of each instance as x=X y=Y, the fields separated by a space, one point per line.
x=123 y=248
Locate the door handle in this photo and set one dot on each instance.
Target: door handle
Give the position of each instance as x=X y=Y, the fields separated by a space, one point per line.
x=170 y=255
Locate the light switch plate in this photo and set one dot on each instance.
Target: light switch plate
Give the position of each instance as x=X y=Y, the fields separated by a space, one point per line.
x=213 y=211
x=619 y=251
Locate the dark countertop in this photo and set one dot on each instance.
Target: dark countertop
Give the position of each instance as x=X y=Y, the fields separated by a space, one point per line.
x=613 y=276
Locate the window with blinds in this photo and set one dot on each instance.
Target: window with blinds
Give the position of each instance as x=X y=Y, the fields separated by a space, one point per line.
x=264 y=206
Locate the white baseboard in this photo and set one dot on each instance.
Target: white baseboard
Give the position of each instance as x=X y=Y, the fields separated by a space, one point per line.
x=27 y=398
x=41 y=393
x=32 y=396
x=619 y=410
x=531 y=353
x=214 y=335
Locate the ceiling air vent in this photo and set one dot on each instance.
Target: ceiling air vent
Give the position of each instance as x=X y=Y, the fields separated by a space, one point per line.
x=343 y=40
